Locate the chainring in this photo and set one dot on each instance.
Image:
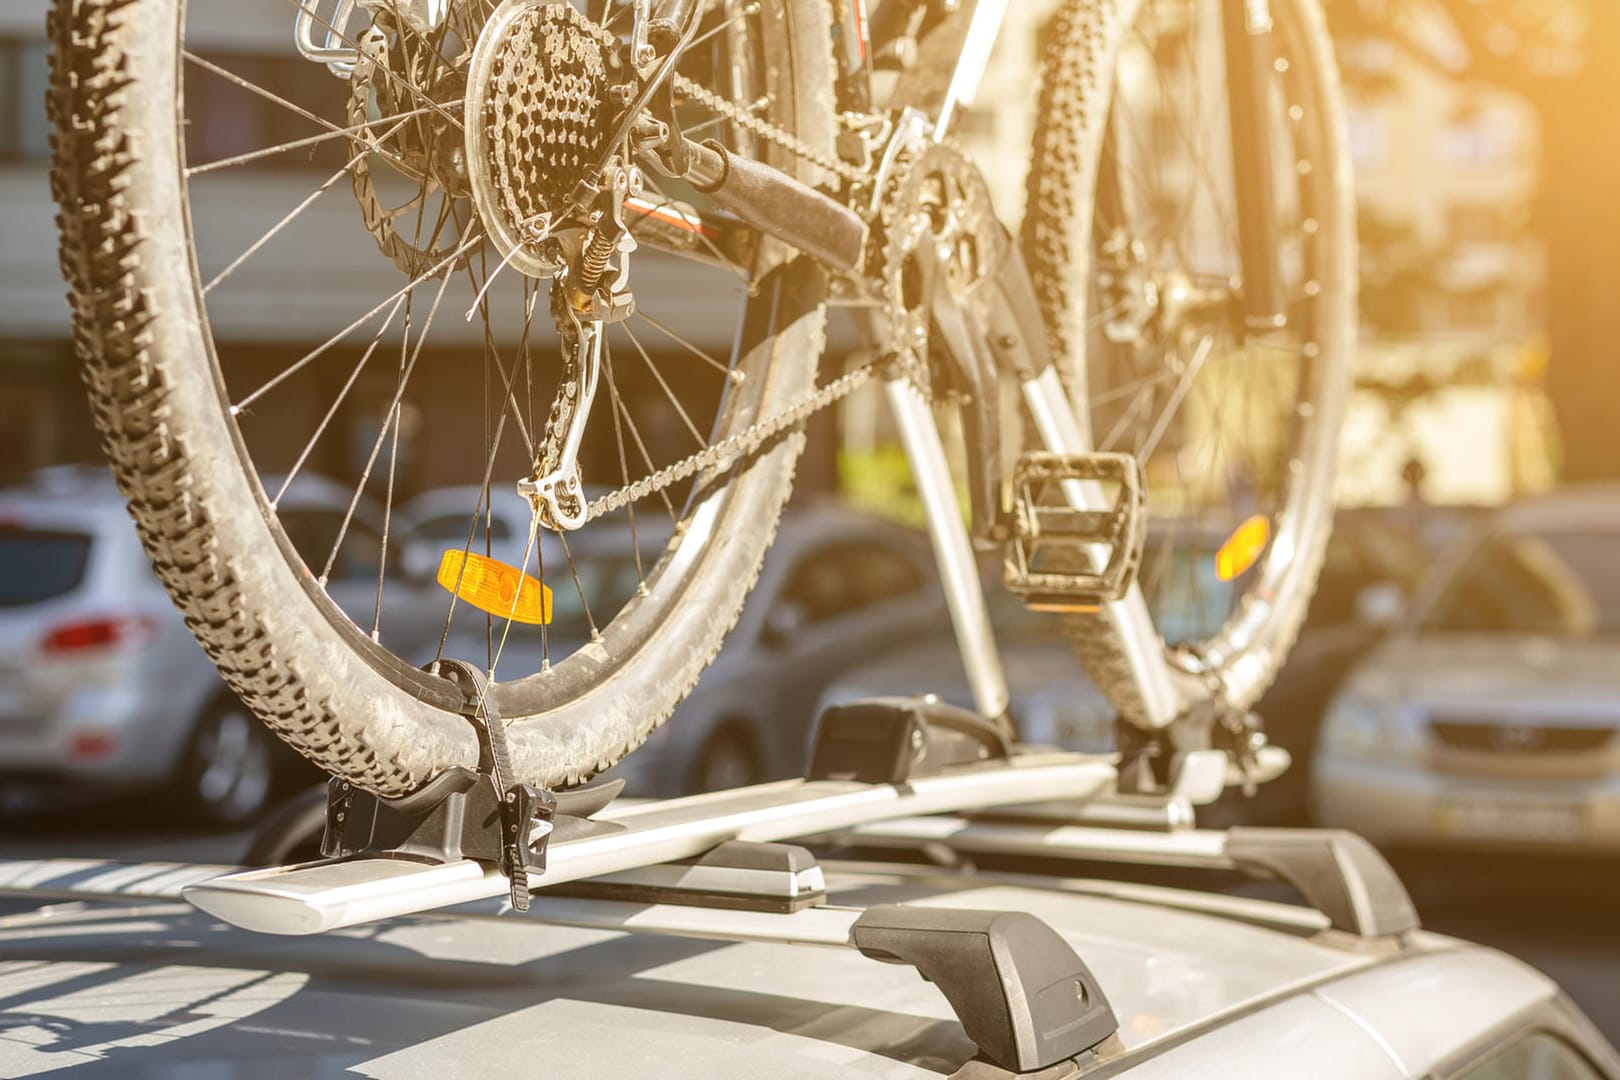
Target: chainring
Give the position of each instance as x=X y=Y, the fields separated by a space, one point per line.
x=934 y=195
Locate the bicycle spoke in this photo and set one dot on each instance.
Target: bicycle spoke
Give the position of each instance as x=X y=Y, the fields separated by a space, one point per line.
x=409 y=87
x=659 y=377
x=296 y=144
x=729 y=372
x=573 y=571
x=337 y=403
x=309 y=357
x=624 y=465
x=641 y=446
x=259 y=244
x=255 y=88
x=391 y=418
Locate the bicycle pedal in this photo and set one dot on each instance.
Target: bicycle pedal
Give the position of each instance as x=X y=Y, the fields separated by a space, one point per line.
x=1066 y=559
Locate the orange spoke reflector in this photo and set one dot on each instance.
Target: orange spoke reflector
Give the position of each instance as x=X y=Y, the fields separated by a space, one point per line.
x=1243 y=548
x=494 y=587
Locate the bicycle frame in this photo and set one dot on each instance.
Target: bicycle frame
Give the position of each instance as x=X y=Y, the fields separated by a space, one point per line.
x=952 y=57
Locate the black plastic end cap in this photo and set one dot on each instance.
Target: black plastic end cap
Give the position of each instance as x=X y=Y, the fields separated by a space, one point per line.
x=1020 y=991
x=1338 y=872
x=889 y=740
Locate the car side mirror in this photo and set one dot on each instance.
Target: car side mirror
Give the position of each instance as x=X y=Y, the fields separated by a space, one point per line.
x=783 y=624
x=1380 y=606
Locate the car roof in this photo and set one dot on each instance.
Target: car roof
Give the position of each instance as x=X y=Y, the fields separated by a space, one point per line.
x=472 y=995
x=1583 y=506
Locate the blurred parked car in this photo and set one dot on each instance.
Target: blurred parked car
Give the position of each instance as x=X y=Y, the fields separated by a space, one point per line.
x=837 y=586
x=1053 y=702
x=1489 y=719
x=100 y=681
x=441 y=520
x=1376 y=559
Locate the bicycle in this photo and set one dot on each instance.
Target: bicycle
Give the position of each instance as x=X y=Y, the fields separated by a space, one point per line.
x=538 y=164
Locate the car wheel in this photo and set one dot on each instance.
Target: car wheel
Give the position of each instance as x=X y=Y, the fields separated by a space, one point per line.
x=292 y=832
x=727 y=762
x=228 y=772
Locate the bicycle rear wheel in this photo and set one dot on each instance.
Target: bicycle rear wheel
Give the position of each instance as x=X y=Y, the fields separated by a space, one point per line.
x=1131 y=234
x=215 y=211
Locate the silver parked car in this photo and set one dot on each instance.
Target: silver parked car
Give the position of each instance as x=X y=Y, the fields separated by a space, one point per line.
x=102 y=685
x=838 y=585
x=1184 y=984
x=1491 y=717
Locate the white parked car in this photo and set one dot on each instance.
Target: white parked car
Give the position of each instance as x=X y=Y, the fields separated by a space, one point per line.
x=1491 y=717
x=102 y=685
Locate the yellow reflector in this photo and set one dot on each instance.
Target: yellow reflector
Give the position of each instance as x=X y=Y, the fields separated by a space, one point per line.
x=492 y=586
x=1243 y=548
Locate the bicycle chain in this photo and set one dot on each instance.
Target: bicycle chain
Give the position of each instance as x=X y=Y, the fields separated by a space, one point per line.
x=767 y=130
x=753 y=437
x=746 y=441
x=756 y=435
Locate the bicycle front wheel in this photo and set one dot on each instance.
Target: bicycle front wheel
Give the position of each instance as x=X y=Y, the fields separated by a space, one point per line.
x=1131 y=231
x=269 y=268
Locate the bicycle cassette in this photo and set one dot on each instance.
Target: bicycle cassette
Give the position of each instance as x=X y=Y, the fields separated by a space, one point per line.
x=537 y=121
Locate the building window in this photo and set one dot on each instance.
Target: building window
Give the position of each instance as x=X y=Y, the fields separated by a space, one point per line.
x=24 y=76
x=1481 y=140
x=227 y=119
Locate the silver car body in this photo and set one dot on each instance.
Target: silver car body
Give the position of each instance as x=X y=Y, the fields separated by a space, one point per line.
x=1204 y=986
x=767 y=681
x=1499 y=740
x=121 y=711
x=114 y=710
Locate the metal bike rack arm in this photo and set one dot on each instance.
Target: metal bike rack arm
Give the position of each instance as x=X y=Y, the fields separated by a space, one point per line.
x=1337 y=872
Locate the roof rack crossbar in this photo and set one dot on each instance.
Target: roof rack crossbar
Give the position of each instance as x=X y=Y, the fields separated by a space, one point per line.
x=1337 y=872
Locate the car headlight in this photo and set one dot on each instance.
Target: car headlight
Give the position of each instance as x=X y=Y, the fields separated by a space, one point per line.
x=1370 y=729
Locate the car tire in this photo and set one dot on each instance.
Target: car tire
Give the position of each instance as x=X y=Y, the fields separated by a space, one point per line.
x=227 y=774
x=292 y=832
x=729 y=760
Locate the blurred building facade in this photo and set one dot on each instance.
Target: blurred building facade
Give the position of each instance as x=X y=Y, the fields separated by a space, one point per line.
x=1452 y=281
x=1445 y=174
x=320 y=271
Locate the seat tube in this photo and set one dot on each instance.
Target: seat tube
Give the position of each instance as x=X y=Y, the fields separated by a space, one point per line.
x=1250 y=55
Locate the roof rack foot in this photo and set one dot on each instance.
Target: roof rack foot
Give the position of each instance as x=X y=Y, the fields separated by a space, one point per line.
x=1022 y=994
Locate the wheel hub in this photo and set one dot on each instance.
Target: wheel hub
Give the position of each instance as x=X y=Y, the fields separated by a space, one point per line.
x=537 y=122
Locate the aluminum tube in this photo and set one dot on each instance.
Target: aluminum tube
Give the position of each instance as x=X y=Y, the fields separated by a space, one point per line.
x=1061 y=432
x=958 y=570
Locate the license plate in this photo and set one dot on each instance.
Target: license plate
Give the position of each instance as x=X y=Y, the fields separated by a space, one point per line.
x=1505 y=819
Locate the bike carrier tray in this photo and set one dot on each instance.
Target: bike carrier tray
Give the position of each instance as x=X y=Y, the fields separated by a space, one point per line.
x=320 y=896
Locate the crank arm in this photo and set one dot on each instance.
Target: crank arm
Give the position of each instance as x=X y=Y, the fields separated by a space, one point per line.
x=773 y=202
x=960 y=333
x=995 y=332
